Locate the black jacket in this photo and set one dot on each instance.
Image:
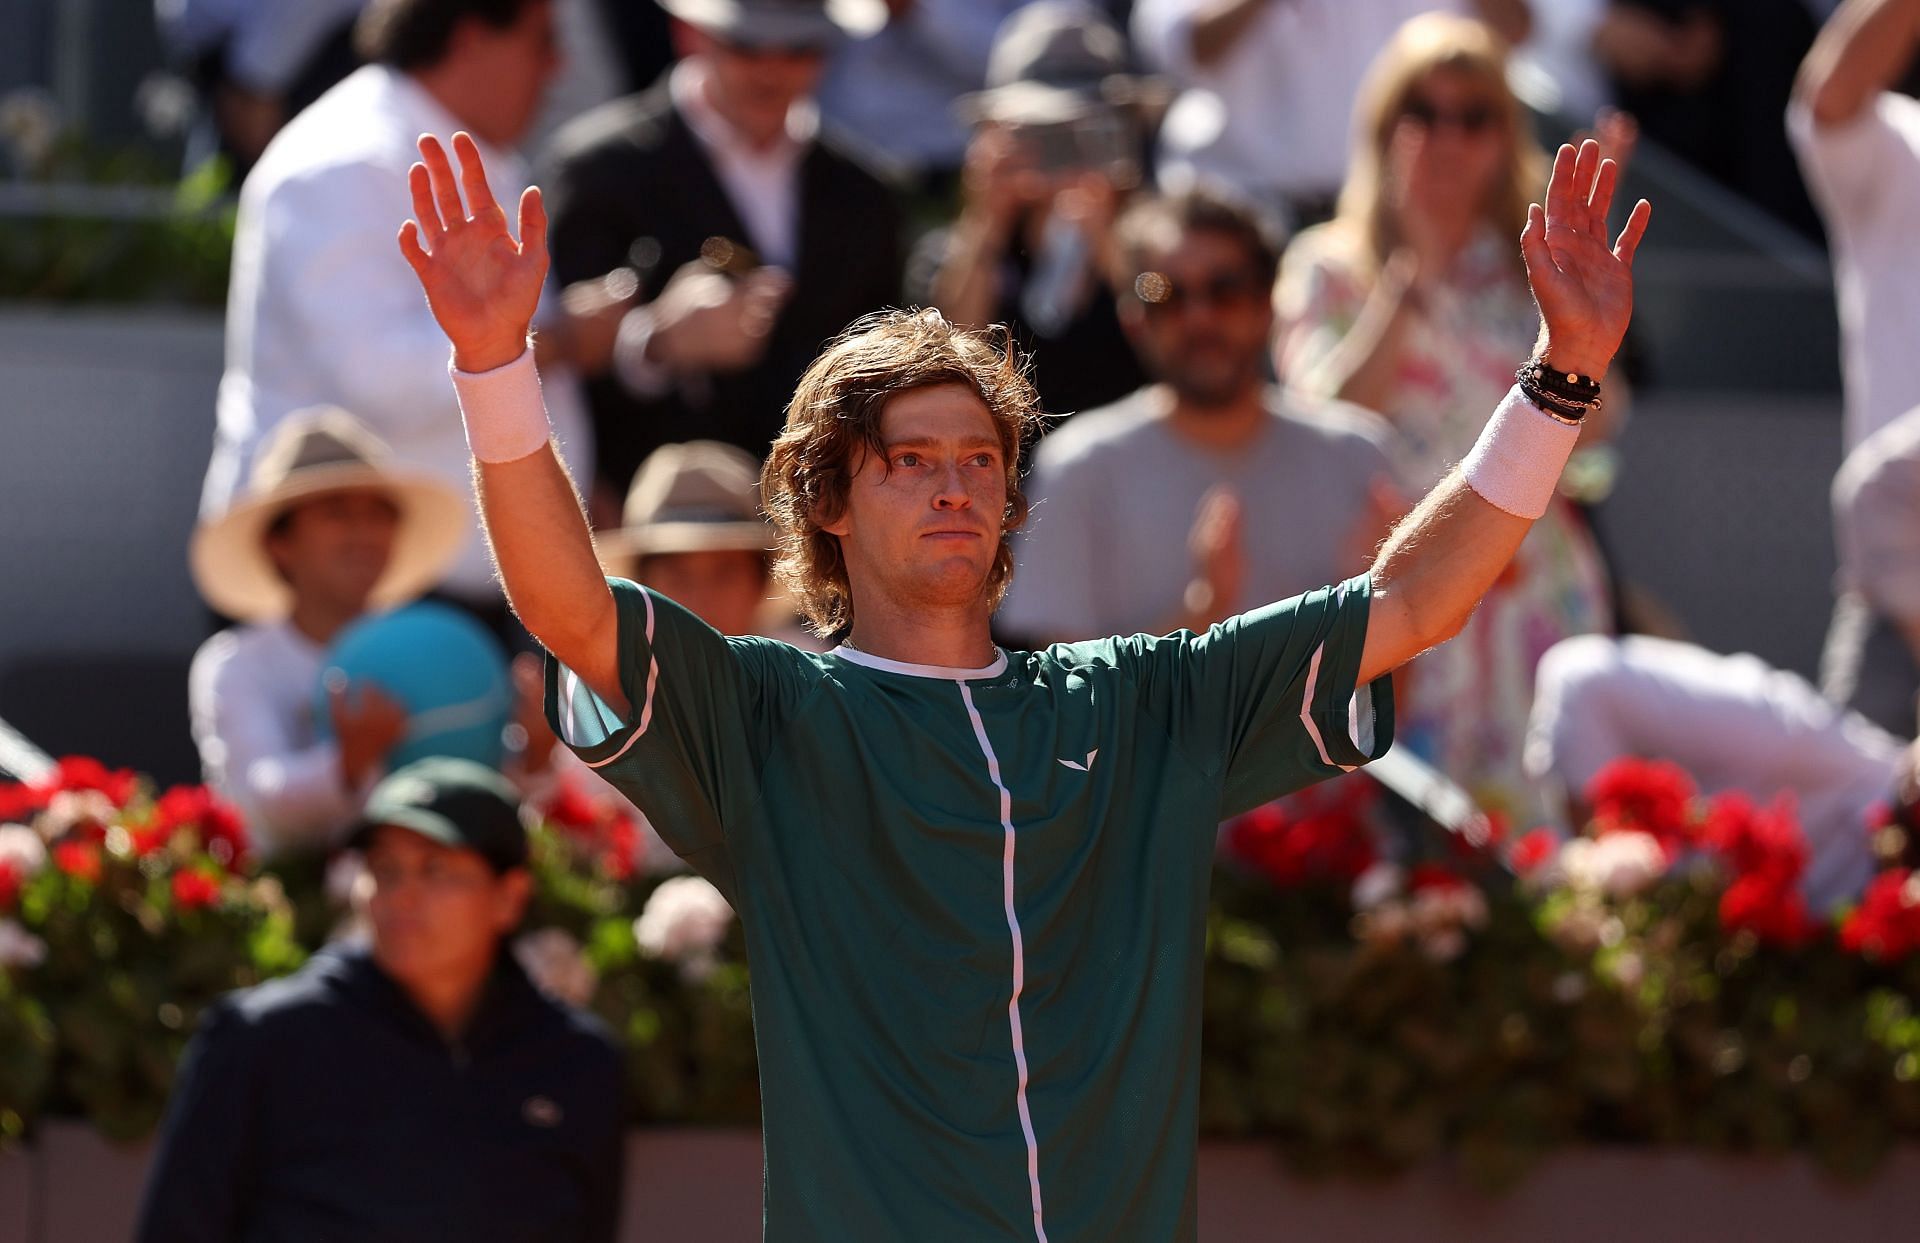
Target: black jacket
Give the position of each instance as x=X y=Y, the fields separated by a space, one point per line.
x=326 y=1107
x=631 y=185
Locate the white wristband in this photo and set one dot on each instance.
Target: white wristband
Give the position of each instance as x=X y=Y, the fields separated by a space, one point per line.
x=1516 y=463
x=505 y=415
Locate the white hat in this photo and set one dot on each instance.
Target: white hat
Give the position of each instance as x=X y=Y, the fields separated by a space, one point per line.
x=701 y=496
x=309 y=453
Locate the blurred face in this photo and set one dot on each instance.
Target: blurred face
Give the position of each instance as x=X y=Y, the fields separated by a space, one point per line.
x=922 y=527
x=723 y=588
x=754 y=87
x=336 y=546
x=1450 y=140
x=516 y=62
x=438 y=913
x=1201 y=316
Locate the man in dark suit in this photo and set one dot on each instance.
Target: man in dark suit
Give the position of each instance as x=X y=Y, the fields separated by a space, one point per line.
x=756 y=238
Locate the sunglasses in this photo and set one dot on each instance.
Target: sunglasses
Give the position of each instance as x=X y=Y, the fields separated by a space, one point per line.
x=1227 y=290
x=1472 y=119
x=785 y=51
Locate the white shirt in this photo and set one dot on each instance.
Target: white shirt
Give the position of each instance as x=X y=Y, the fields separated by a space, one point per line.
x=322 y=309
x=1273 y=114
x=1865 y=175
x=250 y=693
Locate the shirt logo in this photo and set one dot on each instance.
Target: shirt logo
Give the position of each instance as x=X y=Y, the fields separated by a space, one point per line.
x=1078 y=767
x=541 y=1111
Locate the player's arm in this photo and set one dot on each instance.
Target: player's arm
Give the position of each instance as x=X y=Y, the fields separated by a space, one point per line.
x=1863 y=50
x=483 y=287
x=1442 y=558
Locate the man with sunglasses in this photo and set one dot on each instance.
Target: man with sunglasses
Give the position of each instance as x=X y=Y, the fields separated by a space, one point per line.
x=755 y=236
x=1237 y=492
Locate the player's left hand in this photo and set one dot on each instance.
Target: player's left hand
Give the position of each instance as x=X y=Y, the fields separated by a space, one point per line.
x=1584 y=287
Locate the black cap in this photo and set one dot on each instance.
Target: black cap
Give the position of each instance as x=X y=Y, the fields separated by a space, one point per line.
x=454 y=802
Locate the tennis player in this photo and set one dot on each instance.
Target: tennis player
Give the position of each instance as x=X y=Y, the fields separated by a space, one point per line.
x=973 y=882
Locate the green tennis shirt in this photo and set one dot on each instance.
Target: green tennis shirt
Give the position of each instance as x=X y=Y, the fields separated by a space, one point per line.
x=975 y=900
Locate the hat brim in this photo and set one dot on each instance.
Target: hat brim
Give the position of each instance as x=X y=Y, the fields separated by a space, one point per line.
x=433 y=827
x=782 y=26
x=236 y=577
x=670 y=537
x=1038 y=103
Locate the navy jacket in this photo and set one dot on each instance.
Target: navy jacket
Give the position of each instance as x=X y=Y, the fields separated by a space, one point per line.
x=326 y=1107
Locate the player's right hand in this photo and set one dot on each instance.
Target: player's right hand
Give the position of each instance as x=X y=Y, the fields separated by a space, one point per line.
x=482 y=285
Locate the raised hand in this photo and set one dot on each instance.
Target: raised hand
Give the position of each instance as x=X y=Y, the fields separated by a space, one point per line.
x=1584 y=287
x=482 y=285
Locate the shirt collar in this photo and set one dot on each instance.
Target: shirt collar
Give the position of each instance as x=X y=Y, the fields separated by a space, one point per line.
x=868 y=660
x=686 y=84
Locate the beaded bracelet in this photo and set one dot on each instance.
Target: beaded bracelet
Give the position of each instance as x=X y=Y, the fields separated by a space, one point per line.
x=1565 y=395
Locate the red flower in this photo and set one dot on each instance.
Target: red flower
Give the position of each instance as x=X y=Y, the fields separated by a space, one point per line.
x=1319 y=835
x=1755 y=843
x=1886 y=924
x=1531 y=851
x=17 y=802
x=1651 y=796
x=216 y=827
x=80 y=860
x=194 y=889
x=1772 y=912
x=79 y=772
x=571 y=809
x=11 y=879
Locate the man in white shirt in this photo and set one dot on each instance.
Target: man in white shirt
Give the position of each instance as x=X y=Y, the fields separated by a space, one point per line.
x=1270 y=87
x=755 y=234
x=1236 y=491
x=1859 y=146
x=321 y=312
x=326 y=529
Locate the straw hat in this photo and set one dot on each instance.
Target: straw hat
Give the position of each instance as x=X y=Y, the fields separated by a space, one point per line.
x=781 y=23
x=701 y=496
x=309 y=453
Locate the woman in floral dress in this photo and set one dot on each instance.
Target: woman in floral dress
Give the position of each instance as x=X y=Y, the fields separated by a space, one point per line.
x=1412 y=301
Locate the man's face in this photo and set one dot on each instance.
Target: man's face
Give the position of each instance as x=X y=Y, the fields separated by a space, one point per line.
x=722 y=588
x=519 y=60
x=335 y=547
x=438 y=912
x=1205 y=334
x=754 y=87
x=922 y=527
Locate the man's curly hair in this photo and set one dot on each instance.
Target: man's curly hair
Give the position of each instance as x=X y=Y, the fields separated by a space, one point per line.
x=834 y=420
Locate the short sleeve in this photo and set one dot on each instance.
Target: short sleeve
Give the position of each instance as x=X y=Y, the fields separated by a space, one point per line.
x=1266 y=701
x=1849 y=166
x=705 y=711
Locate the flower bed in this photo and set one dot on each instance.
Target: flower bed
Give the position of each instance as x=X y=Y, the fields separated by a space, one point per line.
x=1652 y=981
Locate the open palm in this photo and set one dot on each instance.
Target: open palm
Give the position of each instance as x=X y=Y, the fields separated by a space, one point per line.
x=1584 y=286
x=482 y=285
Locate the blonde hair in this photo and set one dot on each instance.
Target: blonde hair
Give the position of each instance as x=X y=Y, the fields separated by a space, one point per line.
x=1424 y=45
x=834 y=419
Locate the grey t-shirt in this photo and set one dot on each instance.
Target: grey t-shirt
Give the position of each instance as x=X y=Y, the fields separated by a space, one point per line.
x=1115 y=492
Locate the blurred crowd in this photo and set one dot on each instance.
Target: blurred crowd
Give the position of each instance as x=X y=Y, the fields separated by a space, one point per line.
x=1262 y=254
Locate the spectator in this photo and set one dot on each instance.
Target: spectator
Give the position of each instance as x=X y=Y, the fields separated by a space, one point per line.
x=894 y=88
x=1859 y=145
x=323 y=311
x=256 y=64
x=1872 y=660
x=418 y=1088
x=757 y=236
x=1054 y=157
x=1271 y=87
x=1412 y=302
x=1731 y=722
x=1236 y=492
x=327 y=529
x=1858 y=139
